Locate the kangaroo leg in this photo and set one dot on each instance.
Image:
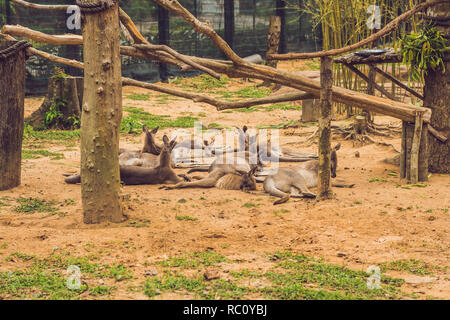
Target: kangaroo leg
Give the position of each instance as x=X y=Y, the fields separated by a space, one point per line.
x=185 y=177
x=342 y=184
x=269 y=187
x=207 y=182
x=300 y=184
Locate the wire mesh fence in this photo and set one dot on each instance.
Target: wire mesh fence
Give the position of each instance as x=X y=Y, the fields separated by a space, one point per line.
x=250 y=28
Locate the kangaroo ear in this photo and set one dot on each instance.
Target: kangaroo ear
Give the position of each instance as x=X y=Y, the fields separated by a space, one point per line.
x=144 y=128
x=337 y=147
x=253 y=171
x=173 y=143
x=154 y=131
x=166 y=140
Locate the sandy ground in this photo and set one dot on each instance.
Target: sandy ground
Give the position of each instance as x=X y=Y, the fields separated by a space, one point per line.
x=373 y=222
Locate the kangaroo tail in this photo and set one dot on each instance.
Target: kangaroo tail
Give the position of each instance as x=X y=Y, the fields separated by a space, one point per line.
x=198 y=170
x=295 y=159
x=73 y=179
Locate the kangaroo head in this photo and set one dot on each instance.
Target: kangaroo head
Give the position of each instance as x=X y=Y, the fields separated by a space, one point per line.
x=334 y=161
x=248 y=181
x=149 y=141
x=165 y=155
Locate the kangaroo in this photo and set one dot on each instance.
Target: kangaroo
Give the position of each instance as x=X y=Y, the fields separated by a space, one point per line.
x=224 y=178
x=147 y=157
x=134 y=175
x=296 y=181
x=188 y=149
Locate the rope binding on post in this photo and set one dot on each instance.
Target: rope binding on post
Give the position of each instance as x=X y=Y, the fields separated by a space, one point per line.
x=95 y=7
x=12 y=50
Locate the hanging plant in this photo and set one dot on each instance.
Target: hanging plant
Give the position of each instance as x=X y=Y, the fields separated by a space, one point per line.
x=424 y=50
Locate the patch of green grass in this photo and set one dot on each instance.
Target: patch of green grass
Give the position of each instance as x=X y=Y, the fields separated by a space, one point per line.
x=36 y=284
x=33 y=205
x=101 y=290
x=139 y=223
x=118 y=272
x=35 y=154
x=202 y=82
x=21 y=256
x=136 y=118
x=292 y=276
x=413 y=266
x=194 y=260
x=31 y=134
x=47 y=278
x=186 y=218
x=252 y=92
x=200 y=288
x=377 y=179
x=139 y=97
x=282 y=106
x=251 y=205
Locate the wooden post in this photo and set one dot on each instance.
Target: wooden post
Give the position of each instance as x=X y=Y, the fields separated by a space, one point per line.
x=163 y=37
x=101 y=117
x=229 y=21
x=281 y=12
x=417 y=135
x=423 y=154
x=326 y=82
x=273 y=39
x=404 y=152
x=12 y=95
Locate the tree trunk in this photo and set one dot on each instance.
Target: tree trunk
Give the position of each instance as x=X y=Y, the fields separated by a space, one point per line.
x=64 y=95
x=437 y=96
x=12 y=94
x=310 y=110
x=101 y=116
x=326 y=81
x=273 y=39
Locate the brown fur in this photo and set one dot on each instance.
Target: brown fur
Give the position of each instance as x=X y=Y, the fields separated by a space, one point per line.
x=133 y=175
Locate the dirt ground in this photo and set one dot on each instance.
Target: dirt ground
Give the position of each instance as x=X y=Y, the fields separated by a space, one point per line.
x=379 y=220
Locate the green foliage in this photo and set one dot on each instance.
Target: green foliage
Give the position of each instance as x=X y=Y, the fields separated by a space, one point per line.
x=47 y=278
x=424 y=51
x=33 y=205
x=54 y=117
x=35 y=154
x=139 y=97
x=413 y=266
x=136 y=118
x=292 y=276
x=30 y=134
x=185 y=218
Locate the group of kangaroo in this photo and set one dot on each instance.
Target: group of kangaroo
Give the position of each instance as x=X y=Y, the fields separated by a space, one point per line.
x=231 y=170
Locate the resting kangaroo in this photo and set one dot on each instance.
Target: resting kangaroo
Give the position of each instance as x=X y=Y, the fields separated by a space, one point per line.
x=296 y=181
x=133 y=175
x=147 y=157
x=225 y=178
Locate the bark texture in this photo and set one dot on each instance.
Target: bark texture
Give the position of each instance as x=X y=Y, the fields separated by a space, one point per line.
x=437 y=97
x=12 y=94
x=101 y=116
x=326 y=80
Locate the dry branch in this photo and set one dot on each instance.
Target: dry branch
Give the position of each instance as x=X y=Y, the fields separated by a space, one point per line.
x=202 y=27
x=244 y=69
x=179 y=56
x=391 y=26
